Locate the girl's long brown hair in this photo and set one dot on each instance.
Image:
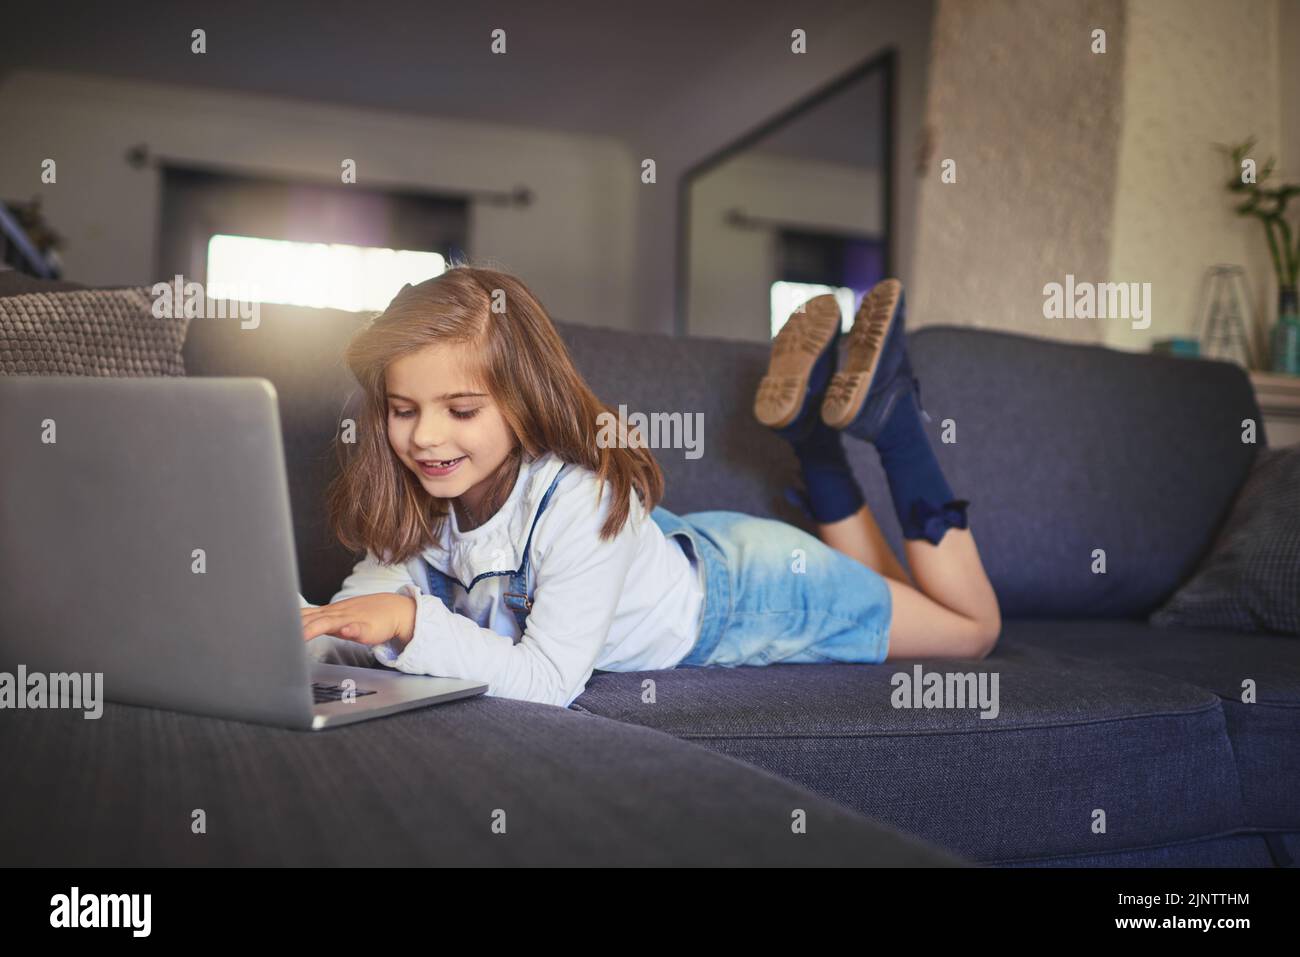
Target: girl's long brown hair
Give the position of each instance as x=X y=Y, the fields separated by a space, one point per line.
x=376 y=504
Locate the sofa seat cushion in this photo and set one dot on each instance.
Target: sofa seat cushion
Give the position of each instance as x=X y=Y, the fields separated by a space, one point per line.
x=1071 y=736
x=430 y=787
x=1265 y=734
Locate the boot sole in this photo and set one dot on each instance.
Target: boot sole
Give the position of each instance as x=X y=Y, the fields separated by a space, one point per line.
x=795 y=351
x=848 y=387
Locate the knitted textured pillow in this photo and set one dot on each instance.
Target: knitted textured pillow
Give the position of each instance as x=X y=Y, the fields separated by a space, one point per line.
x=91 y=332
x=1250 y=581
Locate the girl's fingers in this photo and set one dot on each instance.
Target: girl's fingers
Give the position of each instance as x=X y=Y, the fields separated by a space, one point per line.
x=332 y=613
x=350 y=618
x=309 y=613
x=328 y=625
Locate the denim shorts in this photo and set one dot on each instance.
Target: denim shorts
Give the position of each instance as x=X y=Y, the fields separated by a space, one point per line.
x=776 y=594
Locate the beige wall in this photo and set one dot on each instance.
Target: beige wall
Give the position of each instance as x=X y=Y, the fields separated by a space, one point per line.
x=1197 y=72
x=1099 y=166
x=573 y=246
x=1032 y=118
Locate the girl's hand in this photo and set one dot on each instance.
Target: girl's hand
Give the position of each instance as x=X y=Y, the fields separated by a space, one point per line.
x=368 y=619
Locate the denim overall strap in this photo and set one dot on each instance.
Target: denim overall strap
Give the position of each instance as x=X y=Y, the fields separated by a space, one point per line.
x=519 y=597
x=439 y=584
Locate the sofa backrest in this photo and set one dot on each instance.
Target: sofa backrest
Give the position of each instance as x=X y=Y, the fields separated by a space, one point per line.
x=1068 y=451
x=1071 y=455
x=1061 y=449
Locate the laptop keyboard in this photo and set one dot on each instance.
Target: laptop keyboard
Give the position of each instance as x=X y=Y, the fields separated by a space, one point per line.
x=322 y=693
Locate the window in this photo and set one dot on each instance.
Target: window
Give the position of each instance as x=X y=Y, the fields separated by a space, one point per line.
x=786 y=296
x=810 y=264
x=322 y=275
x=314 y=244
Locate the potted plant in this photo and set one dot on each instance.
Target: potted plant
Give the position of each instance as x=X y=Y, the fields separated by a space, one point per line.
x=1269 y=206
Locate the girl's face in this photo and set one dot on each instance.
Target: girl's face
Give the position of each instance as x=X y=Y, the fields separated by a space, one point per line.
x=436 y=414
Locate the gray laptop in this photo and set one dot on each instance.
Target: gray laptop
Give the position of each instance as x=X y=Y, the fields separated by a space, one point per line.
x=152 y=541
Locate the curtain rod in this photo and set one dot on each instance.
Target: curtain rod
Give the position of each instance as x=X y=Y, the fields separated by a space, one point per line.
x=141 y=157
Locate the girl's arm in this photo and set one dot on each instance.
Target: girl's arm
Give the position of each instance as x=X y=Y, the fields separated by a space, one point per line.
x=369 y=577
x=578 y=580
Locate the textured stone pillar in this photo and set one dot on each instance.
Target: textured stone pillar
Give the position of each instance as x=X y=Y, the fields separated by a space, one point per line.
x=1031 y=116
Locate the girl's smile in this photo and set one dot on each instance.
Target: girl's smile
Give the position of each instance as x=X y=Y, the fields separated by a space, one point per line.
x=435 y=469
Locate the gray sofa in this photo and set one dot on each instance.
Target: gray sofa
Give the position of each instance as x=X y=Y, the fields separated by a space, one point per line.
x=1061 y=449
x=483 y=781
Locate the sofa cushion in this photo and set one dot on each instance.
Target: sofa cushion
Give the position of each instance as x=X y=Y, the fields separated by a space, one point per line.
x=1065 y=449
x=90 y=332
x=1072 y=735
x=1250 y=581
x=421 y=788
x=1232 y=850
x=744 y=465
x=1263 y=732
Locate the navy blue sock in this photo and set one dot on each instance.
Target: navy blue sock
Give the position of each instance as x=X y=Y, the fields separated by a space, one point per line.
x=833 y=492
x=922 y=499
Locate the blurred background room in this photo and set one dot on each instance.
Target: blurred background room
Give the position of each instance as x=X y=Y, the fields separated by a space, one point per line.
x=690 y=169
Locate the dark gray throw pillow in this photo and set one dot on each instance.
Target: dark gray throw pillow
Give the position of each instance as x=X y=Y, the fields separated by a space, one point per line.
x=1250 y=581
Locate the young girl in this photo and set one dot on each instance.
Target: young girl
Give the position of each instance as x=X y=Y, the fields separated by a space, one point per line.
x=507 y=544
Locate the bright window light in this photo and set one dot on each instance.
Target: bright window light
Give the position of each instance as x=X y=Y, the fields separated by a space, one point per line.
x=322 y=275
x=787 y=296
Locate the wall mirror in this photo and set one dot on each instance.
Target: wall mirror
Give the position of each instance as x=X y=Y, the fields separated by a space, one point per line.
x=793 y=209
